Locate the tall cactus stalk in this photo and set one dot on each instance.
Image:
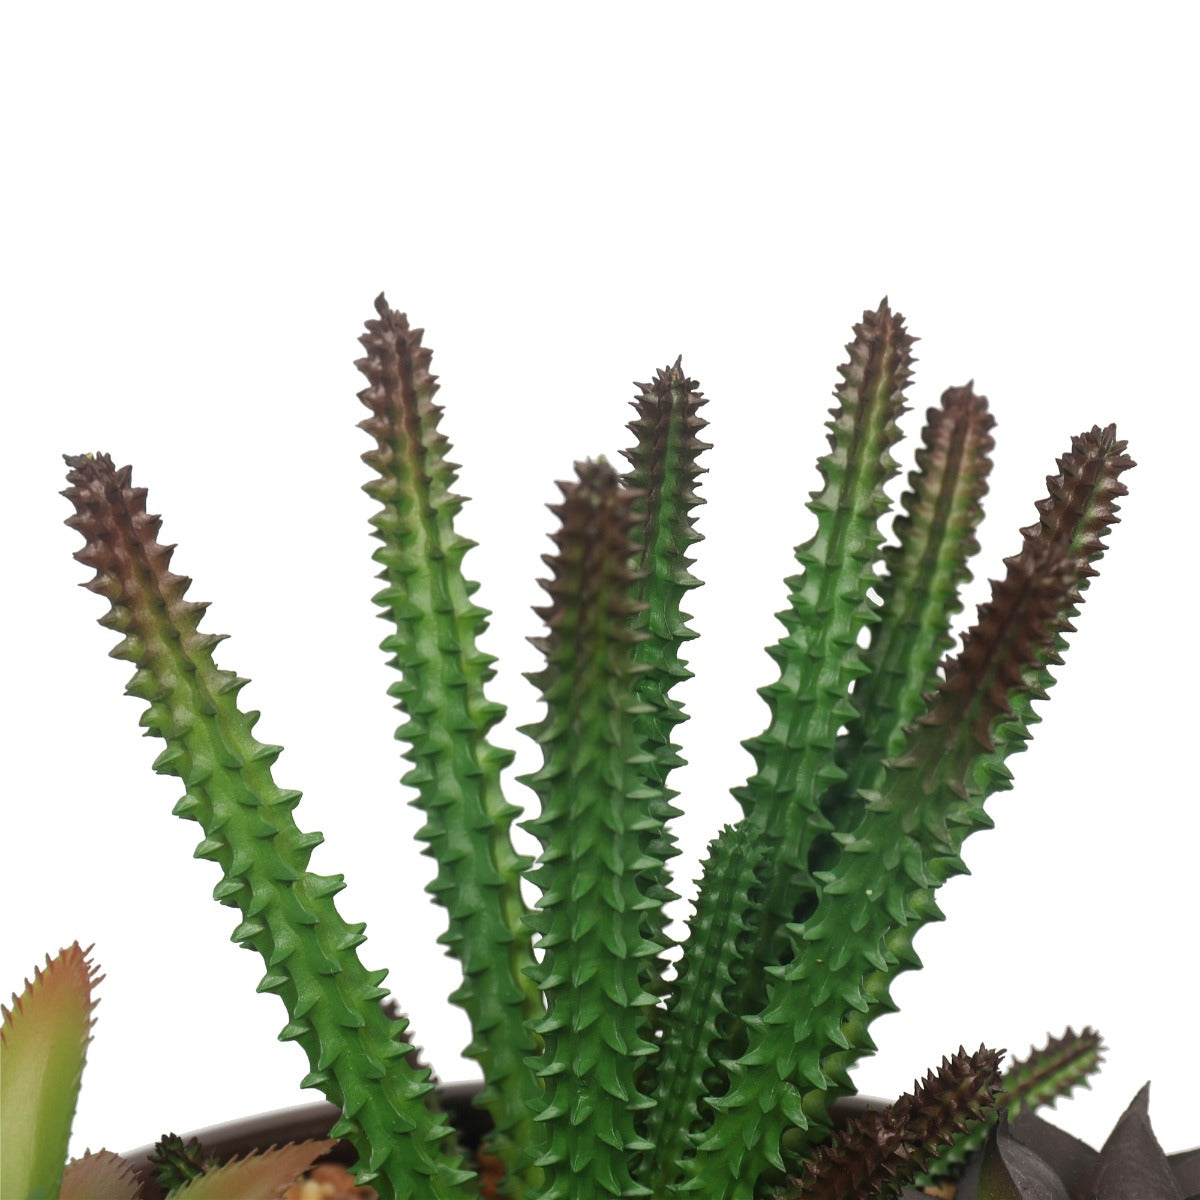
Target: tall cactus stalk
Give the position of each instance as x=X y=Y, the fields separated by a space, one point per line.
x=662 y=475
x=597 y=834
x=456 y=772
x=604 y=1076
x=918 y=595
x=828 y=608
x=908 y=841
x=356 y=1054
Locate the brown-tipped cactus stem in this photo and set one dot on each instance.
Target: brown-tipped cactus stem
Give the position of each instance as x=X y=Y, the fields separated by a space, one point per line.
x=663 y=475
x=456 y=773
x=703 y=1012
x=828 y=608
x=876 y=1154
x=597 y=831
x=926 y=569
x=355 y=1053
x=1079 y=508
x=1045 y=1076
x=907 y=844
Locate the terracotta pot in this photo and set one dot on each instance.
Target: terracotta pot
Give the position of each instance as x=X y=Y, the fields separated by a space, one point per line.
x=235 y=1138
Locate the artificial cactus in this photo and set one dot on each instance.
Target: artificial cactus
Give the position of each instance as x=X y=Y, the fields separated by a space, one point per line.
x=434 y=627
x=595 y=868
x=288 y=915
x=603 y=1077
x=1041 y=1079
x=875 y=1154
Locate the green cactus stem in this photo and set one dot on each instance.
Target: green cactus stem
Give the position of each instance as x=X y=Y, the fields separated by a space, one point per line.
x=1074 y=516
x=703 y=1000
x=456 y=772
x=907 y=844
x=356 y=1055
x=876 y=1154
x=1053 y=1072
x=918 y=597
x=828 y=608
x=596 y=835
x=663 y=474
x=604 y=1076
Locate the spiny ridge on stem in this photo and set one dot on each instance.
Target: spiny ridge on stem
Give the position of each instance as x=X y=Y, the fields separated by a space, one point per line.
x=288 y=914
x=877 y=1153
x=426 y=598
x=597 y=829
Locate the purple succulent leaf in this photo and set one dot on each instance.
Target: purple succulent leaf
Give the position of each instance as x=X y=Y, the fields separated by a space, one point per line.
x=1010 y=1171
x=1185 y=1166
x=1075 y=1161
x=1132 y=1163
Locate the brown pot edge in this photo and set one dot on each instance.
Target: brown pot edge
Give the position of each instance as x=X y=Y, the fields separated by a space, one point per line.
x=301 y=1122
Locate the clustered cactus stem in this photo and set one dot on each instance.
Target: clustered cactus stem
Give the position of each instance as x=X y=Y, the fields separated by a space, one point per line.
x=875 y=1154
x=604 y=1074
x=1043 y=1077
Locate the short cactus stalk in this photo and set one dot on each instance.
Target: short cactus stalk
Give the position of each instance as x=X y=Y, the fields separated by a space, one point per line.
x=1046 y=1075
x=876 y=1154
x=605 y=1073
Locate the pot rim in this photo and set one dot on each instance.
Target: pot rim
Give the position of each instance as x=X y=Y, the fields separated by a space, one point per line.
x=300 y=1122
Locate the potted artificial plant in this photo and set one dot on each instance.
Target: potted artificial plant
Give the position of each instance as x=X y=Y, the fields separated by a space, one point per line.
x=603 y=1075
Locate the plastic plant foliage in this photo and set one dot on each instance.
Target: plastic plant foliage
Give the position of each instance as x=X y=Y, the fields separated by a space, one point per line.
x=605 y=1073
x=970 y=1125
x=1030 y=1159
x=43 y=1047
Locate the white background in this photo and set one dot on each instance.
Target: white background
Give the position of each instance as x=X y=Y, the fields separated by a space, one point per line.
x=202 y=205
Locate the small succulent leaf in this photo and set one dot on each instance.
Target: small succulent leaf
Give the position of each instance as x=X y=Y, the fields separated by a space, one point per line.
x=1074 y=1160
x=1132 y=1162
x=1185 y=1166
x=43 y=1047
x=259 y=1176
x=100 y=1176
x=175 y=1161
x=1010 y=1171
